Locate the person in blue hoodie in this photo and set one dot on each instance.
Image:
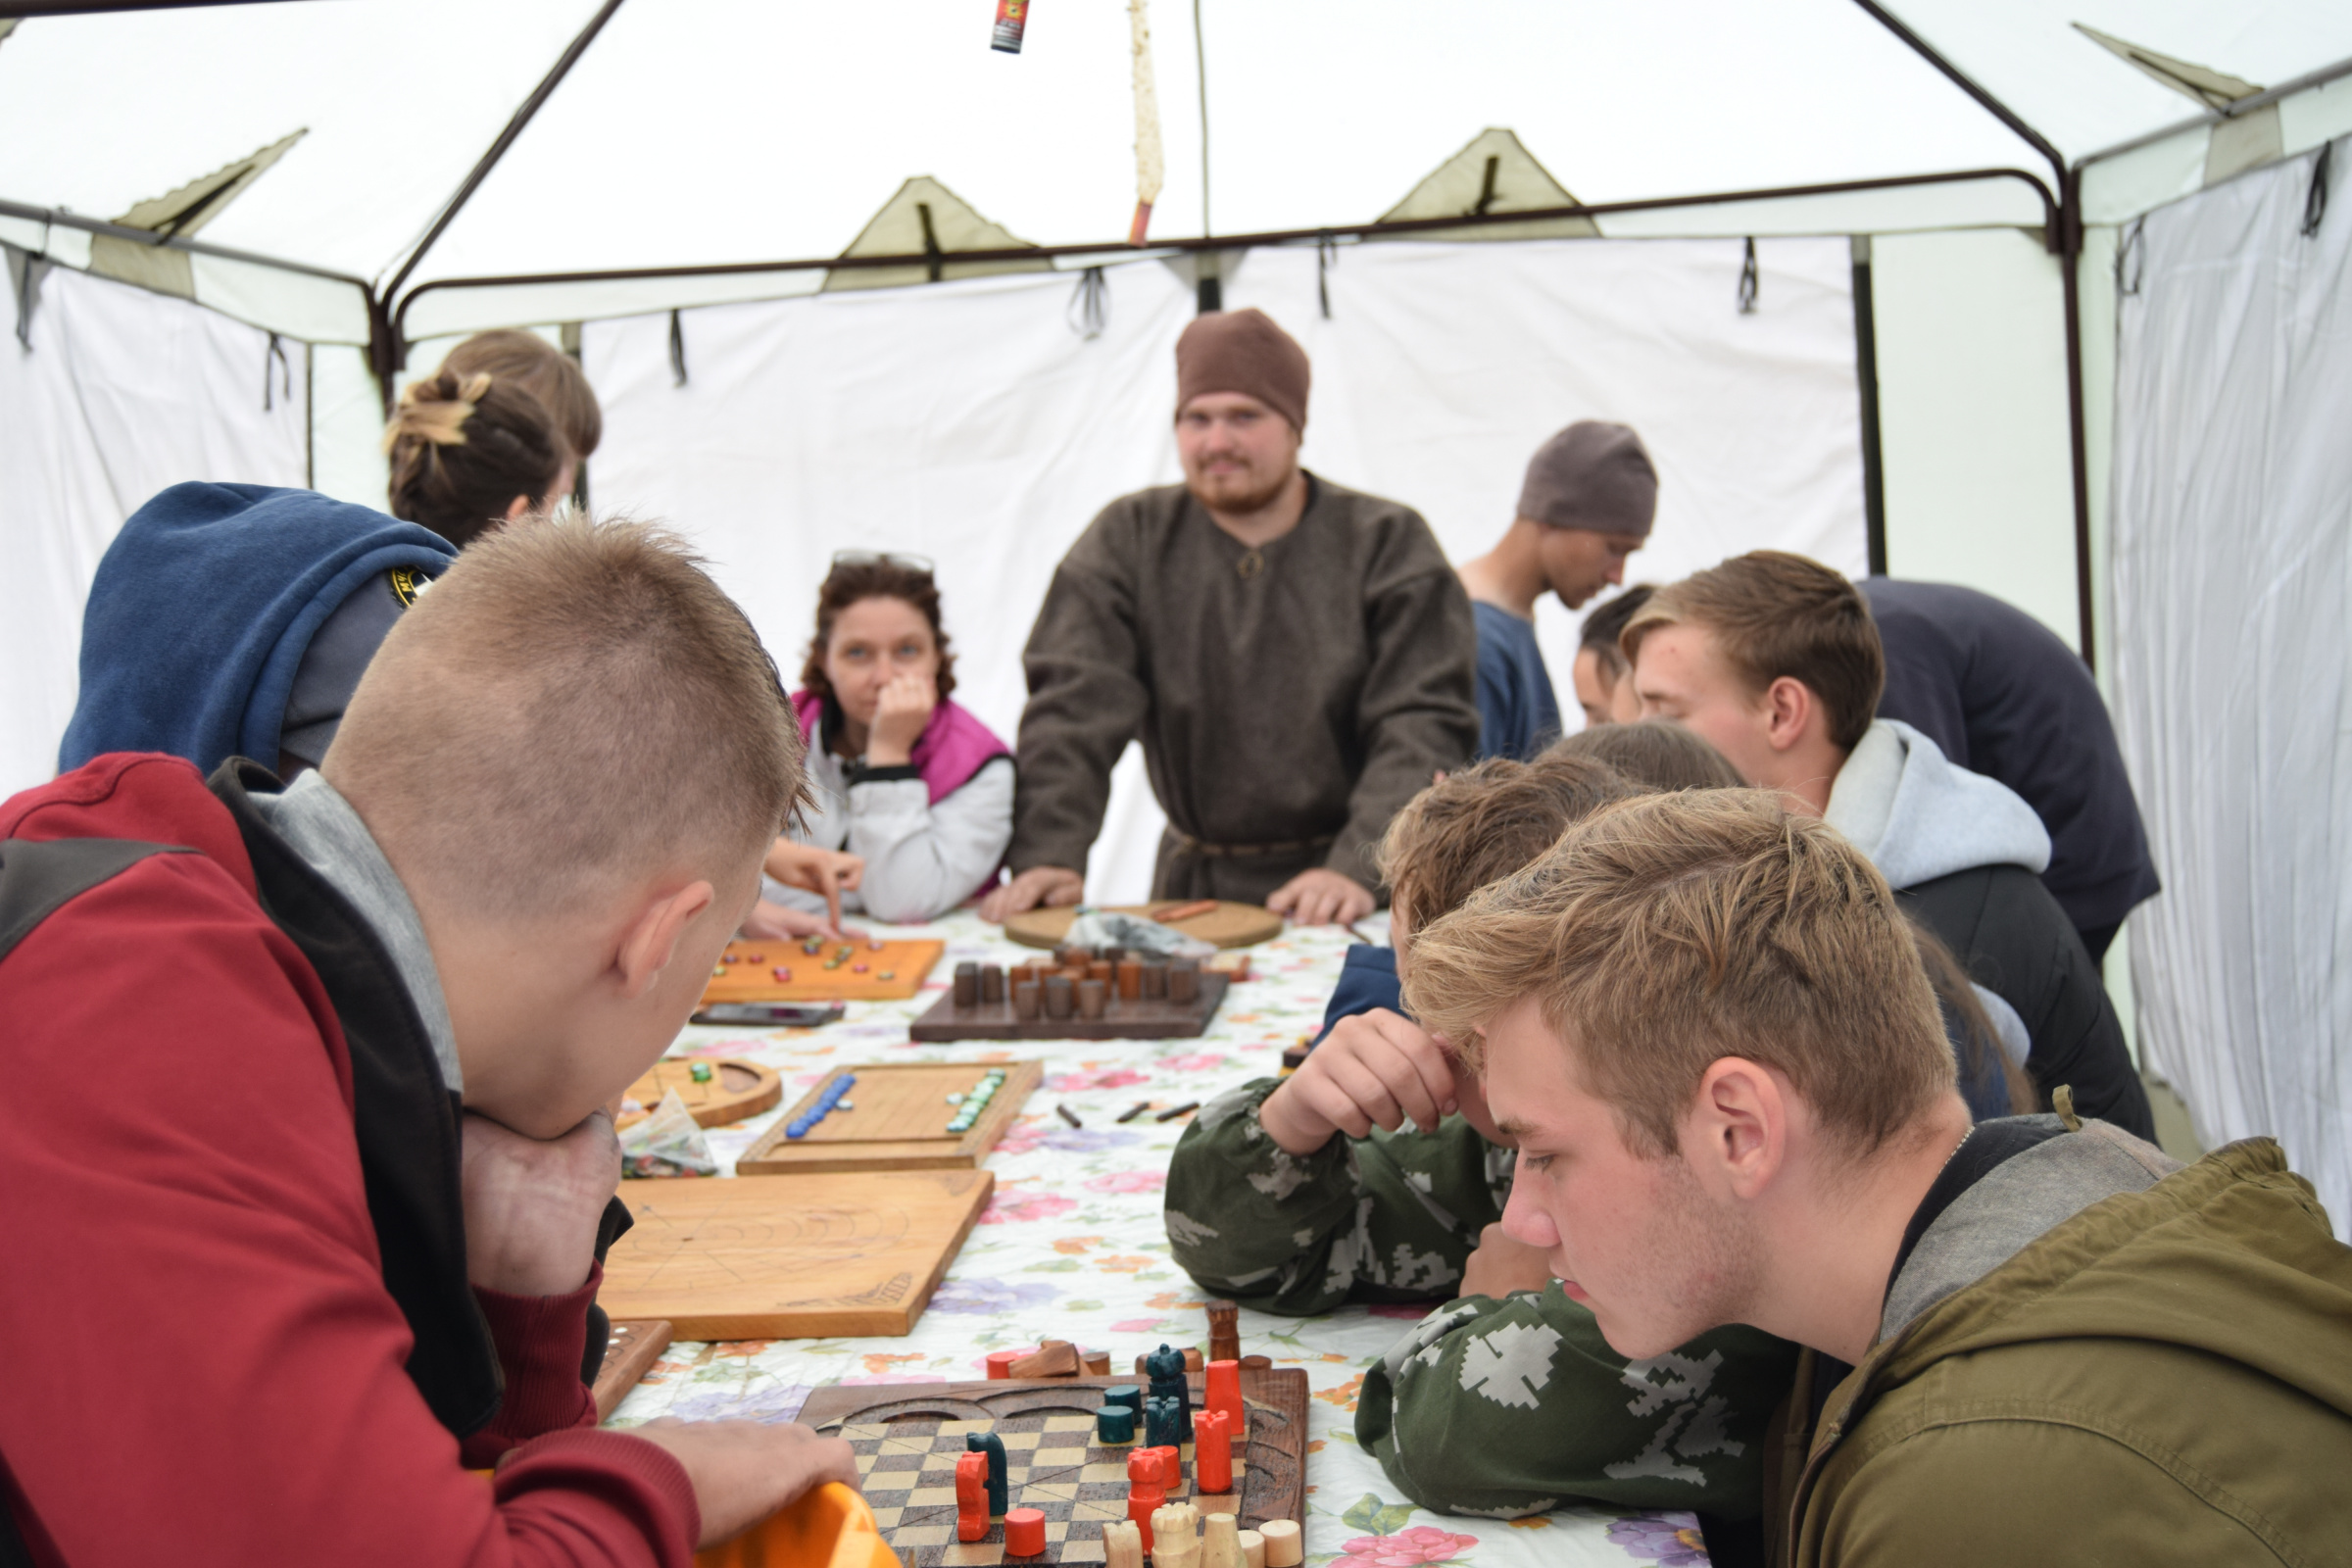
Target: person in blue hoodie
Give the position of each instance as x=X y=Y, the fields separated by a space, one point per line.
x=1776 y=660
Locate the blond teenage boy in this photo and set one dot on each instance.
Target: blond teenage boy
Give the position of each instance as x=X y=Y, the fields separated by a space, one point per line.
x=2037 y=1340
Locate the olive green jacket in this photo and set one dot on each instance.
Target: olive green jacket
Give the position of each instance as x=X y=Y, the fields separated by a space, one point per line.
x=2087 y=1359
x=1496 y=1409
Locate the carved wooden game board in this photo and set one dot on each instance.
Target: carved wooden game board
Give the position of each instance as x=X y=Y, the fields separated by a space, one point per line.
x=751 y=976
x=631 y=1349
x=906 y=1438
x=790 y=1257
x=1123 y=1018
x=735 y=1090
x=898 y=1120
x=1227 y=925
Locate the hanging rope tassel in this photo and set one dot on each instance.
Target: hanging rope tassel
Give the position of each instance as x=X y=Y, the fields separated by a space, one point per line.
x=678 y=350
x=286 y=370
x=1327 y=257
x=2315 y=200
x=1747 y=279
x=1150 y=171
x=1090 y=304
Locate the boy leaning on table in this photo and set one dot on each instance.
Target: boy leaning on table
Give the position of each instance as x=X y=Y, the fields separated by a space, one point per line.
x=1296 y=1194
x=303 y=1156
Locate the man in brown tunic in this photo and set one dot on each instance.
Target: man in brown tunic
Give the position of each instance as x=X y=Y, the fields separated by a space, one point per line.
x=1297 y=659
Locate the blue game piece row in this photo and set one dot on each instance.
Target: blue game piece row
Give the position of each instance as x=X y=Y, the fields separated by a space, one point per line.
x=799 y=1125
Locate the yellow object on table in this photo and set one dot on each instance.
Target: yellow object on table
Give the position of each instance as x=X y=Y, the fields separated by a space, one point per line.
x=830 y=1528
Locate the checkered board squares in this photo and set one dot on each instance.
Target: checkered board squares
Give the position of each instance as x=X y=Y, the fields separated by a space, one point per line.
x=1052 y=1463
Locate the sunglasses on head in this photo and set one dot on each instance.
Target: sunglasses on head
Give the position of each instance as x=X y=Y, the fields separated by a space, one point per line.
x=882 y=558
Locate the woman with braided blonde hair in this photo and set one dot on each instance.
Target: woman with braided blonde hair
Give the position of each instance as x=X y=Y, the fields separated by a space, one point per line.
x=472 y=451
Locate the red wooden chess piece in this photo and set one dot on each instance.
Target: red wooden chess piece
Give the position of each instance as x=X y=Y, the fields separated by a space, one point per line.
x=1213 y=1453
x=999 y=1362
x=1145 y=1491
x=971 y=1497
x=1025 y=1533
x=1225 y=1394
x=1171 y=1467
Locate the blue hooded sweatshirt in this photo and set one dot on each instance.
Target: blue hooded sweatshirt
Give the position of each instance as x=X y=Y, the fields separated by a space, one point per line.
x=204 y=607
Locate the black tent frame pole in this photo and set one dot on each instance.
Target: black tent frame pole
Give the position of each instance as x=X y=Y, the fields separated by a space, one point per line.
x=2065 y=240
x=388 y=352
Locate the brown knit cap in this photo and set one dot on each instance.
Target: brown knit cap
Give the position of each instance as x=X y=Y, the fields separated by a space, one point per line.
x=1593 y=477
x=1243 y=351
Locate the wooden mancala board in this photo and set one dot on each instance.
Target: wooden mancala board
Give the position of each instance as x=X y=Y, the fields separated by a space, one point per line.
x=906 y=1439
x=735 y=1090
x=790 y=1257
x=1123 y=1018
x=868 y=970
x=896 y=1118
x=630 y=1351
x=1226 y=925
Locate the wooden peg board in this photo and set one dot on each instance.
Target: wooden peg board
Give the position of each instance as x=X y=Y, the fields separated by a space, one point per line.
x=1227 y=925
x=736 y=1089
x=1057 y=1465
x=630 y=1351
x=1123 y=1018
x=790 y=1257
x=752 y=977
x=898 y=1120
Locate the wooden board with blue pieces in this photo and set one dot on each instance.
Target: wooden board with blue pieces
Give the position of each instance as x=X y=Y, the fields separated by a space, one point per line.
x=907 y=1438
x=900 y=1115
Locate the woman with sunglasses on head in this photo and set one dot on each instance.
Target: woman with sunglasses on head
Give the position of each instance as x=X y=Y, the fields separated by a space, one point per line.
x=908 y=782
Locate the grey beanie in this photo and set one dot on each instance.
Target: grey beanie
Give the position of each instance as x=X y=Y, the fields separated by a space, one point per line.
x=1595 y=477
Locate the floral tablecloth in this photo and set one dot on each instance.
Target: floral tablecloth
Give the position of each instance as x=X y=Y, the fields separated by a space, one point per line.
x=1072 y=1242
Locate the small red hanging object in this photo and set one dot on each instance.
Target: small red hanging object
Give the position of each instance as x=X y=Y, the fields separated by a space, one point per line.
x=1011 y=17
x=1142 y=225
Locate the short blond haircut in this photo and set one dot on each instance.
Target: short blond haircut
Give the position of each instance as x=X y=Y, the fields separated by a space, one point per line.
x=1669 y=931
x=573 y=708
x=1481 y=824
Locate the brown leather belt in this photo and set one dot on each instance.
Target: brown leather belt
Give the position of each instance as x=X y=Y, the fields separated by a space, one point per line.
x=1241 y=851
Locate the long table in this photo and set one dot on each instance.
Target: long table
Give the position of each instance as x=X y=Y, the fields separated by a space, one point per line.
x=1072 y=1247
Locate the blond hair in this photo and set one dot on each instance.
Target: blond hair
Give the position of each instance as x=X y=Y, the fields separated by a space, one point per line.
x=1774 y=614
x=1484 y=823
x=1666 y=932
x=573 y=708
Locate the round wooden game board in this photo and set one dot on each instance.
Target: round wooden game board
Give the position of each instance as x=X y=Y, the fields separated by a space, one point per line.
x=1227 y=925
x=736 y=1089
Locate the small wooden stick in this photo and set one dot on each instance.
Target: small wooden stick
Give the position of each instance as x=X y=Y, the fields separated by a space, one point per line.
x=1135 y=1111
x=1068 y=1115
x=1174 y=1111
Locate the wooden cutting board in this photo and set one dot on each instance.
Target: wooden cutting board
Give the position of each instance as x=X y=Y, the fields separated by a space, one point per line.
x=875 y=969
x=1227 y=925
x=790 y=1257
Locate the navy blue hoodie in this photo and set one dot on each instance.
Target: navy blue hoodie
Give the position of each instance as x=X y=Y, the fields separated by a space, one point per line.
x=204 y=607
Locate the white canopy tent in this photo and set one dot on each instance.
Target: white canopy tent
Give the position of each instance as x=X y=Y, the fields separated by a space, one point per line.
x=333 y=189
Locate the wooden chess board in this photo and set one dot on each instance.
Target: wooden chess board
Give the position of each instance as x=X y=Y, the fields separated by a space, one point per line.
x=906 y=1440
x=875 y=970
x=898 y=1120
x=790 y=1257
x=1123 y=1018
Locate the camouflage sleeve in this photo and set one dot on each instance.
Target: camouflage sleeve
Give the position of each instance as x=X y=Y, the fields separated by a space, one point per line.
x=1385 y=1218
x=1511 y=1407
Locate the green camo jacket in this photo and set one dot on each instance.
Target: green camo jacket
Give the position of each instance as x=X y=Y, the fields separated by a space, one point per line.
x=1491 y=1409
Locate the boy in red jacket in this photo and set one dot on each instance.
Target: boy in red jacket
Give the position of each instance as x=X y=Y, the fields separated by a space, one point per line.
x=327 y=1237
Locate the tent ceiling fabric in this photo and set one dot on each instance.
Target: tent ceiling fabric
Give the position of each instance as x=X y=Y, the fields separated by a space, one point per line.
x=695 y=132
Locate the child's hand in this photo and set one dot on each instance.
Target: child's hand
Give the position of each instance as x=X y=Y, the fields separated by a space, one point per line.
x=1376 y=1068
x=905 y=708
x=824 y=873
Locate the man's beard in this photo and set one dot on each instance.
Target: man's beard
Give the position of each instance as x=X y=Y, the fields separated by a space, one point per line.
x=1240 y=492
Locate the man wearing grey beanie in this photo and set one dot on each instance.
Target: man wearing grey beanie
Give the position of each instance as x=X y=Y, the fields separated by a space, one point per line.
x=1586 y=505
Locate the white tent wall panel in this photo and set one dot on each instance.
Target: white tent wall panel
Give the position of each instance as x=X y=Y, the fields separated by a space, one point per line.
x=347 y=428
x=1973 y=433
x=121 y=394
x=2232 y=586
x=970 y=423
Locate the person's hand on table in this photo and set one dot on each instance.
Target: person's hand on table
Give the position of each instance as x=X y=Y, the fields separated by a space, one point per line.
x=1499 y=1266
x=898 y=720
x=781 y=923
x=1321 y=898
x=532 y=1206
x=743 y=1471
x=827 y=873
x=1050 y=886
x=1374 y=1069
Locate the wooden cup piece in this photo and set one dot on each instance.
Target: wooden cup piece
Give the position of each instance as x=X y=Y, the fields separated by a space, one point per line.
x=1061 y=1000
x=1027 y=999
x=1184 y=980
x=1156 y=981
x=1093 y=995
x=992 y=982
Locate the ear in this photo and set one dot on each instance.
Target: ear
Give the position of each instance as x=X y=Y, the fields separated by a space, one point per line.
x=1790 y=712
x=520 y=506
x=1736 y=1135
x=651 y=939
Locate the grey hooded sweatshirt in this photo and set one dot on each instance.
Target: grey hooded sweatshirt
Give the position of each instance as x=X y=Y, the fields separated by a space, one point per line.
x=1965 y=856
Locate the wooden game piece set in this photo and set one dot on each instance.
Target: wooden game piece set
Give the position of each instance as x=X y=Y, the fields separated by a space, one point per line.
x=835 y=1093
x=1085 y=994
x=906 y=1116
x=876 y=970
x=715 y=1091
x=1200 y=1466
x=969 y=1105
